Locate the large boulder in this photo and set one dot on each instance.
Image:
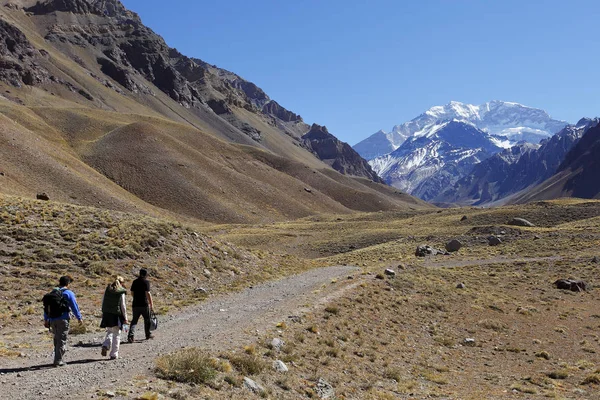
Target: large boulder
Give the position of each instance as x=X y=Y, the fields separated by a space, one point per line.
x=571 y=284
x=453 y=245
x=520 y=222
x=494 y=240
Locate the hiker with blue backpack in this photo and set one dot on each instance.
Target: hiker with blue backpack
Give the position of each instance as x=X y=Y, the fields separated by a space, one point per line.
x=58 y=305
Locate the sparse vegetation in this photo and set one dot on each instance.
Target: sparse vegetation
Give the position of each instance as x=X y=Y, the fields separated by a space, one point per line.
x=187 y=366
x=407 y=335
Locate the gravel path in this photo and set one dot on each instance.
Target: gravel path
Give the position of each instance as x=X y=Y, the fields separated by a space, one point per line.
x=223 y=322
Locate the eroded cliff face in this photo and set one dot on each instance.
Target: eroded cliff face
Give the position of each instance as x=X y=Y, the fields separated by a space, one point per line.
x=19 y=60
x=338 y=154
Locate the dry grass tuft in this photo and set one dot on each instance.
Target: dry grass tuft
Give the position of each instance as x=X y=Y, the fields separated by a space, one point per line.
x=247 y=364
x=187 y=366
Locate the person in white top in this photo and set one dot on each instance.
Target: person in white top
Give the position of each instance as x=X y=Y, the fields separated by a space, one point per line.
x=114 y=316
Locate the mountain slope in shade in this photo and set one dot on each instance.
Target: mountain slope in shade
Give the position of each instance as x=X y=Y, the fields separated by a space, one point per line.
x=95 y=109
x=337 y=154
x=577 y=176
x=514 y=169
x=513 y=121
x=427 y=163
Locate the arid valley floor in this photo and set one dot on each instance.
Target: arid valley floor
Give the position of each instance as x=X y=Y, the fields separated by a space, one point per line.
x=506 y=332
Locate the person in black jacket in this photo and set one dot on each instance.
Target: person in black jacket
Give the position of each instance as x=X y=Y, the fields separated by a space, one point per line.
x=142 y=304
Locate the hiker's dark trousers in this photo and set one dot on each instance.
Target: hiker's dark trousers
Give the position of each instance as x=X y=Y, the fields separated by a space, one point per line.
x=137 y=312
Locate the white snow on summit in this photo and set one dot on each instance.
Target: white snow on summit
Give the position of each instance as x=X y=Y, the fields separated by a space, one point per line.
x=514 y=121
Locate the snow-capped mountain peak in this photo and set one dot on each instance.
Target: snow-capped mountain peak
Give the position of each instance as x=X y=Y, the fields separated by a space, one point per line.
x=432 y=151
x=512 y=120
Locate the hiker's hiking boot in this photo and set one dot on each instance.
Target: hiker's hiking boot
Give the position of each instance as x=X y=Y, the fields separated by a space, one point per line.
x=130 y=339
x=60 y=364
x=104 y=351
x=114 y=357
x=150 y=336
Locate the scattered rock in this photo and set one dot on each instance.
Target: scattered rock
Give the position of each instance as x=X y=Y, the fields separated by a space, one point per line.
x=207 y=273
x=537 y=237
x=280 y=366
x=253 y=386
x=42 y=196
x=464 y=218
x=110 y=394
x=277 y=344
x=469 y=342
x=295 y=318
x=460 y=286
x=201 y=290
x=427 y=250
x=453 y=245
x=520 y=222
x=308 y=190
x=324 y=389
x=494 y=240
x=571 y=284
x=390 y=272
x=596 y=260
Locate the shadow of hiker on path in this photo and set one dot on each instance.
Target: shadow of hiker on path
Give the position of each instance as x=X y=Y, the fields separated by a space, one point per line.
x=47 y=366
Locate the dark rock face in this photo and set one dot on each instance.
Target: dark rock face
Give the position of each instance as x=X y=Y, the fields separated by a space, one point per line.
x=109 y=8
x=583 y=161
x=273 y=108
x=515 y=169
x=18 y=58
x=336 y=153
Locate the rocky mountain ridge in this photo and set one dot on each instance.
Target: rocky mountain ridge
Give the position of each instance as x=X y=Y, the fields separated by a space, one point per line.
x=97 y=110
x=577 y=174
x=426 y=164
x=430 y=153
x=515 y=169
x=131 y=55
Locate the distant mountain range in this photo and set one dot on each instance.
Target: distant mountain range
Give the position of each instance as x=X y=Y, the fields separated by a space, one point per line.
x=576 y=176
x=516 y=169
x=429 y=154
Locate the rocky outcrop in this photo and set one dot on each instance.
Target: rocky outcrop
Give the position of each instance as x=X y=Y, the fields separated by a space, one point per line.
x=18 y=58
x=108 y=8
x=273 y=108
x=336 y=153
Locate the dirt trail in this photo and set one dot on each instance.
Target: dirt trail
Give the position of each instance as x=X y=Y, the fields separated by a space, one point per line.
x=224 y=322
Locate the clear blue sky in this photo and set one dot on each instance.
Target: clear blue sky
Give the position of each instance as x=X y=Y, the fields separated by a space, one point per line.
x=360 y=66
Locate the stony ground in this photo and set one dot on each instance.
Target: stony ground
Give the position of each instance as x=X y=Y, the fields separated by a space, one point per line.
x=485 y=322
x=223 y=322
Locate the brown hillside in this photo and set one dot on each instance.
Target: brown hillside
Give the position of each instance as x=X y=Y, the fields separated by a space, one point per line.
x=83 y=121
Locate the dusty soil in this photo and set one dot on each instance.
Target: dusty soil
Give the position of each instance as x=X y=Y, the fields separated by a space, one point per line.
x=223 y=322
